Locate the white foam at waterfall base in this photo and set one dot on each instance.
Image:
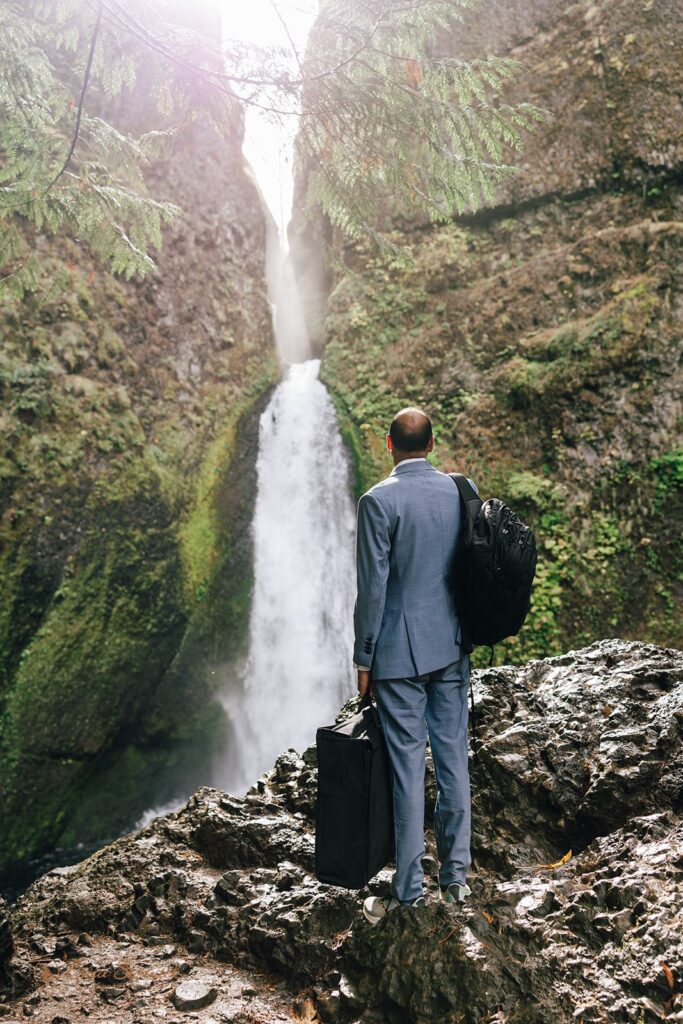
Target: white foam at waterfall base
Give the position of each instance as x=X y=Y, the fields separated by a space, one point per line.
x=299 y=669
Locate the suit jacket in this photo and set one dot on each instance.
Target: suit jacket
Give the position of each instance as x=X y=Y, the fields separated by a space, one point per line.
x=405 y=620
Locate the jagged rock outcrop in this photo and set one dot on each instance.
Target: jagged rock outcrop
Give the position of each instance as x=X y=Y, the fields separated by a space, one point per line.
x=577 y=878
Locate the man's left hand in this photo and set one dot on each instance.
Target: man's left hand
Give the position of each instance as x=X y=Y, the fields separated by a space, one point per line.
x=365 y=684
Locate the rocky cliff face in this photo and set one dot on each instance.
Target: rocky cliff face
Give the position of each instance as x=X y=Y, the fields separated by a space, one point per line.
x=129 y=427
x=577 y=878
x=544 y=334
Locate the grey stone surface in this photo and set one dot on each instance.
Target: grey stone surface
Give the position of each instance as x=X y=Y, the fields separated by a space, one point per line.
x=193 y=995
x=577 y=874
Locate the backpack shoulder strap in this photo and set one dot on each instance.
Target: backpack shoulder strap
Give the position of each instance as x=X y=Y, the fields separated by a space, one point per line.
x=471 y=503
x=467 y=492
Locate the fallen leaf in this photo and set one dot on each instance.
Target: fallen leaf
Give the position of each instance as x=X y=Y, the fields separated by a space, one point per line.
x=489 y=917
x=308 y=1012
x=668 y=973
x=557 y=863
x=413 y=72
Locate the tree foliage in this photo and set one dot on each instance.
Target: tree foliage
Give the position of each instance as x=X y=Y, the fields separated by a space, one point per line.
x=92 y=90
x=394 y=120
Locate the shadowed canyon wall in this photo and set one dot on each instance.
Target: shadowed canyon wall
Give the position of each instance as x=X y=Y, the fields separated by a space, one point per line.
x=129 y=430
x=543 y=334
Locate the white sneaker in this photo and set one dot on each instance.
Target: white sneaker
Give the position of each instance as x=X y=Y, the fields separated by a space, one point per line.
x=455 y=893
x=376 y=907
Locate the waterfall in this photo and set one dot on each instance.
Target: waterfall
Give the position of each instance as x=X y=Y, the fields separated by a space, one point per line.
x=298 y=670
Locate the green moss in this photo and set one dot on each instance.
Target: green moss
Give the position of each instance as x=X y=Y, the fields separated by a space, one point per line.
x=516 y=410
x=109 y=538
x=668 y=472
x=354 y=364
x=201 y=532
x=200 y=527
x=116 y=675
x=354 y=435
x=520 y=382
x=90 y=668
x=543 y=504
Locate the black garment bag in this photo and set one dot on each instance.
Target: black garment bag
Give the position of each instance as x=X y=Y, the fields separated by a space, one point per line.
x=354 y=820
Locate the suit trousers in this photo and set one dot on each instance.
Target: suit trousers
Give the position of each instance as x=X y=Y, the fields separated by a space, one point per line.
x=409 y=708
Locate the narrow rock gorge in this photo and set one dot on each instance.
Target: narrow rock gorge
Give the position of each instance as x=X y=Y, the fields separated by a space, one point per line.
x=543 y=334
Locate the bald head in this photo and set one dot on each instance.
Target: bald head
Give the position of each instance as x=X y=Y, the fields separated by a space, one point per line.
x=410 y=430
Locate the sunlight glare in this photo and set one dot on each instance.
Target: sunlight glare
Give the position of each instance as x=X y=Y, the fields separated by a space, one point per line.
x=268 y=142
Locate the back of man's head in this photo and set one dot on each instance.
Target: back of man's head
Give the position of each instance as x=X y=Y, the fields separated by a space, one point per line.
x=410 y=430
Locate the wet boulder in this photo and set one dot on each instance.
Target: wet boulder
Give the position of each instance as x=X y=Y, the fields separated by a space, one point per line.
x=576 y=875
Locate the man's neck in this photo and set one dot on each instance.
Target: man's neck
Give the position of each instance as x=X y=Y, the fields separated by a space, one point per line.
x=405 y=458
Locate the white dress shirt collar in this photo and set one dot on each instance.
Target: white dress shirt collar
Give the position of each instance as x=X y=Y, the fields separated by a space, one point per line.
x=414 y=463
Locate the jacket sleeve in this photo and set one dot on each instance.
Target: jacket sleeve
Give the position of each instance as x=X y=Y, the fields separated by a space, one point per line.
x=373 y=546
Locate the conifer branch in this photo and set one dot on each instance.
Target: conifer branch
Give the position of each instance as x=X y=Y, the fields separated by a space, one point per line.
x=81 y=100
x=378 y=118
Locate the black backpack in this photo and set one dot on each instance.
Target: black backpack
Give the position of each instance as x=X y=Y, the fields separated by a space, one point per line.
x=492 y=572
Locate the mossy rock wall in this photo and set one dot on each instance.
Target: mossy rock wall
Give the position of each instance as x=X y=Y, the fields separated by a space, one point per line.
x=129 y=418
x=544 y=334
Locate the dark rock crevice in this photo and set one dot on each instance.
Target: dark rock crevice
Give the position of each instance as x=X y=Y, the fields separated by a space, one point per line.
x=487 y=216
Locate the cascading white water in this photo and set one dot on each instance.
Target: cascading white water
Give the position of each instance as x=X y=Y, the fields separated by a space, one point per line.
x=298 y=670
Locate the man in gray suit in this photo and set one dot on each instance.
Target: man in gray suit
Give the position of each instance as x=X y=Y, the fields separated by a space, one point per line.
x=408 y=654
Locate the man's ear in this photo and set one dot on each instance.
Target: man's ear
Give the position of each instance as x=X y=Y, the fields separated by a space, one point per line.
x=431 y=443
x=389 y=443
